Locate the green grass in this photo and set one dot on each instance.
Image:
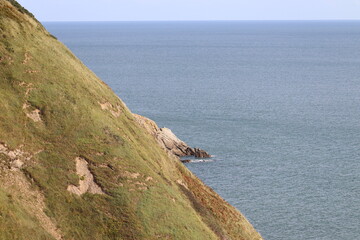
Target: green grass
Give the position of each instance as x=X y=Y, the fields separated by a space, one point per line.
x=73 y=124
x=13 y=215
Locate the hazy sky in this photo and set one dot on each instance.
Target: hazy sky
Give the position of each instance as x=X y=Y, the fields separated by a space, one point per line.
x=130 y=10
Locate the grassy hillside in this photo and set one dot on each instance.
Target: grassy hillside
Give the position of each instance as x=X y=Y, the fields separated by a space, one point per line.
x=54 y=110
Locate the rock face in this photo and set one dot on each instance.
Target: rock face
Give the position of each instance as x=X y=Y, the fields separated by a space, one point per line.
x=168 y=140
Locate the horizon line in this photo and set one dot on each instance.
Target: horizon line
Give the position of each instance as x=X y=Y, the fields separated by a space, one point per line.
x=243 y=20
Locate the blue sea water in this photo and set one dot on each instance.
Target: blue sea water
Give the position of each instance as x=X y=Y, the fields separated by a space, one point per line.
x=277 y=103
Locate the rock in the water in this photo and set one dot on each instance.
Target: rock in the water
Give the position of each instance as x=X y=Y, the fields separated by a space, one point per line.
x=185 y=160
x=199 y=153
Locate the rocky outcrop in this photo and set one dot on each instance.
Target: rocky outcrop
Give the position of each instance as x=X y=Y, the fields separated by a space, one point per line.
x=199 y=153
x=168 y=140
x=172 y=143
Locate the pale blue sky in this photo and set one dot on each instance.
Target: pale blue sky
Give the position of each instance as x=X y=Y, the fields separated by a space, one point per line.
x=133 y=10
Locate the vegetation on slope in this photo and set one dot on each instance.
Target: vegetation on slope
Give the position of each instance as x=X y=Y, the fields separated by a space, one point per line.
x=55 y=110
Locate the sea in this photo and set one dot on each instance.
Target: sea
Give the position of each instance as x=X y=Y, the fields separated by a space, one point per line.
x=277 y=104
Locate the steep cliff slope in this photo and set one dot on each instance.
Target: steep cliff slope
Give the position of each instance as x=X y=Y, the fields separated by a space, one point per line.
x=74 y=163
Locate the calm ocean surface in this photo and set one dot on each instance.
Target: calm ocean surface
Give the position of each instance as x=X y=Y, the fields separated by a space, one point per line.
x=277 y=103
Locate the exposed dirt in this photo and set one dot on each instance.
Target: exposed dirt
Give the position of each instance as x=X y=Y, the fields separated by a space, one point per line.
x=34 y=115
x=86 y=182
x=149 y=179
x=27 y=58
x=114 y=110
x=16 y=158
x=32 y=71
x=6 y=60
x=29 y=87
